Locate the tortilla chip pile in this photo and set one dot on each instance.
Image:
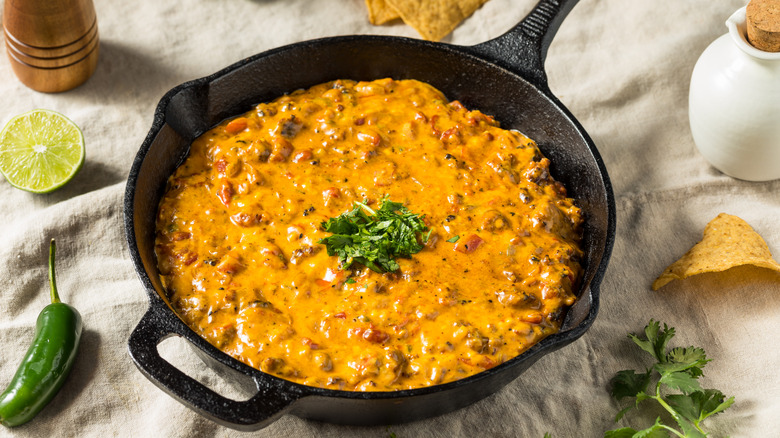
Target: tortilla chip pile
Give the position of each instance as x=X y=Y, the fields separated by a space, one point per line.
x=728 y=242
x=433 y=19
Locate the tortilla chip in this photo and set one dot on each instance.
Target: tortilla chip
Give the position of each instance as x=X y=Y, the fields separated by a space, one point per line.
x=728 y=242
x=435 y=19
x=379 y=12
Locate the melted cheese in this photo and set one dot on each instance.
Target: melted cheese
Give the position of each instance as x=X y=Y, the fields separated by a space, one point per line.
x=238 y=230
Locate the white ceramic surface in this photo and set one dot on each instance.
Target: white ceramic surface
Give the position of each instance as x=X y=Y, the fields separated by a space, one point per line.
x=734 y=105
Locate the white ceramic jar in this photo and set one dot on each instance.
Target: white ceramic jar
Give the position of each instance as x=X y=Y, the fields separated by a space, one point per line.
x=734 y=105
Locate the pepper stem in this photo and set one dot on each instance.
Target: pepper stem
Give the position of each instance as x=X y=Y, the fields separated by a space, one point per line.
x=55 y=297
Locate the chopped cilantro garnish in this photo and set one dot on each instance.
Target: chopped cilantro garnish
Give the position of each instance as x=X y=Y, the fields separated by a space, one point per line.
x=350 y=281
x=453 y=239
x=374 y=238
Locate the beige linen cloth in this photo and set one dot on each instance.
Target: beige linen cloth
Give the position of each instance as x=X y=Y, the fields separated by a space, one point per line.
x=623 y=69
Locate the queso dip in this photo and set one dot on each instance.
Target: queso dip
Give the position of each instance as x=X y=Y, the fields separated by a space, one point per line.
x=239 y=226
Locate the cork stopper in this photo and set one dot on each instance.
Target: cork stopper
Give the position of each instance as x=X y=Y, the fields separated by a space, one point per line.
x=763 y=24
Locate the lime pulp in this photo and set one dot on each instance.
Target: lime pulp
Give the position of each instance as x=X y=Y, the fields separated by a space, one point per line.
x=40 y=151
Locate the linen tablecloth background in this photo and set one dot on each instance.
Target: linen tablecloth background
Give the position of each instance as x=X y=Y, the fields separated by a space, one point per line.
x=622 y=68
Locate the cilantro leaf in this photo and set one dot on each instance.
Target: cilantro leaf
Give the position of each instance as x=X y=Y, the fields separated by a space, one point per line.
x=690 y=359
x=657 y=430
x=623 y=412
x=628 y=383
x=676 y=370
x=689 y=429
x=699 y=405
x=715 y=405
x=681 y=381
x=374 y=238
x=655 y=341
x=623 y=432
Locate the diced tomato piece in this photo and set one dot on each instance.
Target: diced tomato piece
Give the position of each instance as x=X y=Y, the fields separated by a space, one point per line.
x=369 y=137
x=355 y=331
x=466 y=361
x=281 y=149
x=180 y=235
x=435 y=131
x=302 y=156
x=225 y=193
x=448 y=133
x=229 y=265
x=533 y=318
x=246 y=220
x=487 y=363
x=188 y=257
x=331 y=192
x=236 y=126
x=469 y=244
x=309 y=343
x=375 y=336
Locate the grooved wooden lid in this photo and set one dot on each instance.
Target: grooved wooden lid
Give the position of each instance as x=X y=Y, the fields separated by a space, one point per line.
x=763 y=24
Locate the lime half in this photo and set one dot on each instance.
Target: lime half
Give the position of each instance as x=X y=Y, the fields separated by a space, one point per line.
x=40 y=151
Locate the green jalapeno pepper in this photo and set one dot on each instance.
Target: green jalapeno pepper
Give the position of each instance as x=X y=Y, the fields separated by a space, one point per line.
x=48 y=360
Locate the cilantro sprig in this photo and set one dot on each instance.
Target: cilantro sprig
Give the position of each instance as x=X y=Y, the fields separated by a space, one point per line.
x=677 y=369
x=375 y=238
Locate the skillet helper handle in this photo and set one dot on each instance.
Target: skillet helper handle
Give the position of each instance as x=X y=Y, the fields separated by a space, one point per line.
x=523 y=48
x=251 y=414
x=581 y=315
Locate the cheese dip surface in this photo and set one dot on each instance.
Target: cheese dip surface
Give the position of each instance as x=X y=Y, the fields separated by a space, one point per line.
x=239 y=225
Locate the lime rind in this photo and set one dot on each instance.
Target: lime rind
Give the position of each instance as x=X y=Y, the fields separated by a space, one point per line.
x=40 y=151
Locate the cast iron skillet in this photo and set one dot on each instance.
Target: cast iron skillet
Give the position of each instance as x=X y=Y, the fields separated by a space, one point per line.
x=503 y=77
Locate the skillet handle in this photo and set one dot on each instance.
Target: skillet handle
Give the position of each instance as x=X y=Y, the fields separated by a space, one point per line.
x=252 y=414
x=524 y=48
x=581 y=315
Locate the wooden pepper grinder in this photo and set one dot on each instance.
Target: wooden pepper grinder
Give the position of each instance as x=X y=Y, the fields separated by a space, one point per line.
x=763 y=24
x=52 y=45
